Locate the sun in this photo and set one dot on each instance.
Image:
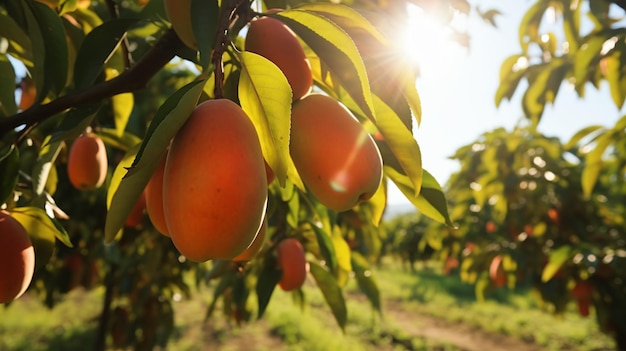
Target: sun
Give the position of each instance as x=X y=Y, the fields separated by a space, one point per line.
x=427 y=42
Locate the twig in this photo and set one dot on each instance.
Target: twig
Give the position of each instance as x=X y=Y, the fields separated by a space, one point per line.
x=114 y=10
x=229 y=13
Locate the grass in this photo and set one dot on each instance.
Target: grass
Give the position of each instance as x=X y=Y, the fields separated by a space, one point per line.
x=510 y=312
x=27 y=325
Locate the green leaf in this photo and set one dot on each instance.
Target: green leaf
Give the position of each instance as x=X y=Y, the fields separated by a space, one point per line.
x=344 y=17
x=122 y=108
x=401 y=142
x=97 y=48
x=332 y=293
x=574 y=140
x=7 y=87
x=269 y=276
x=120 y=171
x=594 y=163
x=265 y=96
x=45 y=162
x=167 y=121
x=19 y=43
x=365 y=281
x=55 y=48
x=557 y=258
x=336 y=51
x=614 y=76
x=585 y=56
x=37 y=71
x=204 y=22
x=75 y=121
x=327 y=249
x=41 y=230
x=123 y=142
x=431 y=200
x=10 y=166
x=219 y=290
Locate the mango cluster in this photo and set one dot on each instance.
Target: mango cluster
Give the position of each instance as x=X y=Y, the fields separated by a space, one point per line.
x=216 y=158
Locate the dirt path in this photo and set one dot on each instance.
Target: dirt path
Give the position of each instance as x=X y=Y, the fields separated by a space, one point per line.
x=461 y=335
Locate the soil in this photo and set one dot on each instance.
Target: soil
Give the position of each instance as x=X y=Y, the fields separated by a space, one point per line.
x=461 y=335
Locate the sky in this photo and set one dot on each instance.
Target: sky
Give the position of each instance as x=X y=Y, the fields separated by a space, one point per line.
x=457 y=89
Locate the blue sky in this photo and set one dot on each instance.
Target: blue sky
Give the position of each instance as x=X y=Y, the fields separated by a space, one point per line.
x=458 y=99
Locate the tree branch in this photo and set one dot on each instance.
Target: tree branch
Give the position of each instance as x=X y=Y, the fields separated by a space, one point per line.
x=131 y=80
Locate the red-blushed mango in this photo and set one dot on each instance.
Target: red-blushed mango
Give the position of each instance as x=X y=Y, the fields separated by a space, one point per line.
x=214 y=187
x=335 y=156
x=154 y=198
x=255 y=247
x=87 y=162
x=179 y=14
x=17 y=258
x=292 y=262
x=273 y=40
x=496 y=272
x=136 y=214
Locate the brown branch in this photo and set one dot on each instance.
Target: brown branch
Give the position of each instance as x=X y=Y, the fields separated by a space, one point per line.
x=131 y=80
x=222 y=41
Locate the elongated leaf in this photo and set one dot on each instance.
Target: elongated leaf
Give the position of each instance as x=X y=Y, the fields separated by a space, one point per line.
x=268 y=279
x=344 y=17
x=219 y=290
x=584 y=58
x=594 y=163
x=97 y=48
x=55 y=47
x=166 y=123
x=120 y=171
x=7 y=87
x=204 y=21
x=47 y=156
x=265 y=96
x=123 y=142
x=401 y=142
x=37 y=71
x=42 y=232
x=431 y=200
x=327 y=249
x=366 y=281
x=75 y=122
x=574 y=140
x=10 y=166
x=19 y=42
x=557 y=258
x=122 y=108
x=332 y=293
x=336 y=51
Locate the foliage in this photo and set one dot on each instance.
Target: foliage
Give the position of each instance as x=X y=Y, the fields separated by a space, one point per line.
x=529 y=219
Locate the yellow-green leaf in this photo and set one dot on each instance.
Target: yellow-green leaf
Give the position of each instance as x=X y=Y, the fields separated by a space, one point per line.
x=122 y=107
x=337 y=52
x=557 y=258
x=166 y=123
x=265 y=96
x=401 y=141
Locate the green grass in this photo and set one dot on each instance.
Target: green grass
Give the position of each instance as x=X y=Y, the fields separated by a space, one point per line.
x=510 y=312
x=28 y=325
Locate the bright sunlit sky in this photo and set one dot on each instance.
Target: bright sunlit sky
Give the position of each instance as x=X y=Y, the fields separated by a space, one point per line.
x=457 y=88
